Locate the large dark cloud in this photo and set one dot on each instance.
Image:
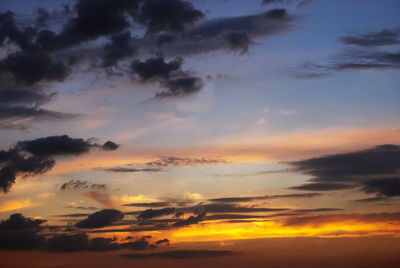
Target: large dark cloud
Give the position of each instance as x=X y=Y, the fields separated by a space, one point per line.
x=30 y=68
x=102 y=218
x=68 y=242
x=21 y=233
x=388 y=187
x=33 y=157
x=19 y=222
x=373 y=170
x=121 y=46
x=162 y=15
x=60 y=145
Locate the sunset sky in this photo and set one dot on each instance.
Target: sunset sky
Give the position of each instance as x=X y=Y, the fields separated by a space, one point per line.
x=199 y=129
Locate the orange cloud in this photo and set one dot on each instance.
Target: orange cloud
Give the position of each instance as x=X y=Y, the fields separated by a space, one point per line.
x=16 y=204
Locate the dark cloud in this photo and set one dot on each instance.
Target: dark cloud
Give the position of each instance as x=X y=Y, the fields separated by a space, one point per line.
x=373 y=170
x=19 y=222
x=92 y=20
x=150 y=204
x=388 y=187
x=20 y=233
x=382 y=38
x=68 y=242
x=380 y=160
x=156 y=68
x=58 y=145
x=21 y=240
x=182 y=85
x=199 y=214
x=110 y=146
x=162 y=15
x=20 y=105
x=122 y=46
x=102 y=218
x=162 y=241
x=184 y=161
x=30 y=68
x=255 y=198
x=362 y=57
x=153 y=213
x=169 y=75
x=183 y=254
x=239 y=41
x=371 y=199
x=78 y=184
x=132 y=170
x=323 y=186
x=34 y=157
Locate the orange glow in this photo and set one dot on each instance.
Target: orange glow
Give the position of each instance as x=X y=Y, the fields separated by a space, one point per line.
x=219 y=231
x=16 y=204
x=246 y=148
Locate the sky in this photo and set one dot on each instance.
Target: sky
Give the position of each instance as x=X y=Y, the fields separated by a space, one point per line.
x=199 y=130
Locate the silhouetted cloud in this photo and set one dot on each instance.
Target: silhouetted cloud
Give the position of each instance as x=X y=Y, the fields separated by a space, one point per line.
x=121 y=46
x=153 y=213
x=102 y=218
x=384 y=37
x=388 y=187
x=255 y=198
x=150 y=204
x=373 y=170
x=358 y=58
x=21 y=240
x=239 y=41
x=323 y=186
x=21 y=233
x=68 y=242
x=20 y=105
x=58 y=145
x=183 y=254
x=40 y=159
x=168 y=75
x=19 y=222
x=162 y=15
x=131 y=170
x=30 y=68
x=78 y=184
x=184 y=161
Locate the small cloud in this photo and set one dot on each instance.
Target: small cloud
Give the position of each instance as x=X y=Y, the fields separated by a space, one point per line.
x=11 y=205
